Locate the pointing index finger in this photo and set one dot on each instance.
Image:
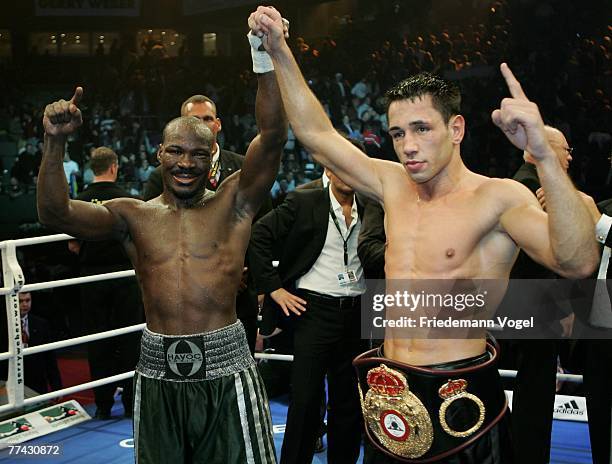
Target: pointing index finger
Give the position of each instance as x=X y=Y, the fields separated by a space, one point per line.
x=513 y=84
x=76 y=98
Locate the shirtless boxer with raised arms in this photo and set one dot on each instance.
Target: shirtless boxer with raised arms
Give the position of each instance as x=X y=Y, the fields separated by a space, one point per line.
x=431 y=400
x=198 y=396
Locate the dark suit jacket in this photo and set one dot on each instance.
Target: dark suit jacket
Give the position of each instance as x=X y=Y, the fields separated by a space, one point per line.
x=372 y=240
x=40 y=370
x=297 y=228
x=527 y=175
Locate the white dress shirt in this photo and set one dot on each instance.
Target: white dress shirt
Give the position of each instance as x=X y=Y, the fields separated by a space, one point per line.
x=323 y=276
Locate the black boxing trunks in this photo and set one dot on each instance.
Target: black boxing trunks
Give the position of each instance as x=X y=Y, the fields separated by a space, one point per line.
x=199 y=399
x=423 y=414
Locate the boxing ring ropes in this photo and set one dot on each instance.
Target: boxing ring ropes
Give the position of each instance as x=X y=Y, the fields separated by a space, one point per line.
x=14 y=282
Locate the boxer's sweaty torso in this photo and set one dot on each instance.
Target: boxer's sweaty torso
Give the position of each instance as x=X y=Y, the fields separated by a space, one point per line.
x=455 y=236
x=188 y=261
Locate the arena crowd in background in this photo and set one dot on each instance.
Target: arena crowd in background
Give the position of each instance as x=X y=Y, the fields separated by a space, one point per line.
x=131 y=93
x=562 y=57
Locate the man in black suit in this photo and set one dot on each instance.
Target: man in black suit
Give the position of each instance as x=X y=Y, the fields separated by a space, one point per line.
x=593 y=311
x=319 y=280
x=536 y=360
x=224 y=163
x=598 y=352
x=108 y=304
x=41 y=373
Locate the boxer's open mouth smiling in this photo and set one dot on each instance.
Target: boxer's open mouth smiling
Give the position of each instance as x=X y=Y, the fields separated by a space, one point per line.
x=184 y=178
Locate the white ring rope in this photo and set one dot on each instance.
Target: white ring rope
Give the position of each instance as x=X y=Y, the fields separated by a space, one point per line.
x=14 y=282
x=77 y=340
x=36 y=240
x=77 y=280
x=69 y=390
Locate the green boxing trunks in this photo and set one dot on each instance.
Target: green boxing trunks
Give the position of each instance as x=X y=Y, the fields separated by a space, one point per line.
x=199 y=399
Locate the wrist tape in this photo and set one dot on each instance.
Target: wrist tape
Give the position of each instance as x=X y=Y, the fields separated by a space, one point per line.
x=262 y=63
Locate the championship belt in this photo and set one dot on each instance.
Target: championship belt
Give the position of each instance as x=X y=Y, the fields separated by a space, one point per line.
x=452 y=391
x=395 y=415
x=446 y=409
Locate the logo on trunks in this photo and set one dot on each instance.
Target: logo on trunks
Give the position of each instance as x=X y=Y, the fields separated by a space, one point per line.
x=184 y=352
x=395 y=415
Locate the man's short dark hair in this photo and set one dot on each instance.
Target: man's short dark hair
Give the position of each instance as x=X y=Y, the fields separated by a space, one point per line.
x=102 y=158
x=197 y=99
x=445 y=95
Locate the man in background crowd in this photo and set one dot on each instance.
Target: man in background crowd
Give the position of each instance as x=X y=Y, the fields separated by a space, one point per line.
x=41 y=373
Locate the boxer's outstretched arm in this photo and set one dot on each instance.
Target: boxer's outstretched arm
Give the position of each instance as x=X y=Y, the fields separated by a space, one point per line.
x=263 y=156
x=567 y=244
x=307 y=118
x=81 y=219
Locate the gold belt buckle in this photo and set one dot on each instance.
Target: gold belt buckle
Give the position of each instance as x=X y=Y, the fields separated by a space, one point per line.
x=452 y=391
x=395 y=415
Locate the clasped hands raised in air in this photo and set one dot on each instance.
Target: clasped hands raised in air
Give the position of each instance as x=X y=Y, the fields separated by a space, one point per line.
x=518 y=117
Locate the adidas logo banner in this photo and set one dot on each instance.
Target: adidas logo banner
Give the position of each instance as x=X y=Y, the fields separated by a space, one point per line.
x=566 y=407
x=570 y=408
